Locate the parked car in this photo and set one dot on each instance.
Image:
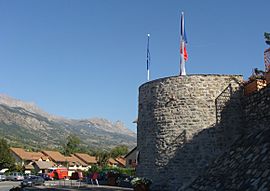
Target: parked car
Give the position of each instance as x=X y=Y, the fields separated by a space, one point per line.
x=15 y=176
x=2 y=177
x=45 y=176
x=32 y=181
x=25 y=176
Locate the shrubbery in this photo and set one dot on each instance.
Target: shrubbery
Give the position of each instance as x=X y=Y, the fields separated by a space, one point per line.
x=126 y=171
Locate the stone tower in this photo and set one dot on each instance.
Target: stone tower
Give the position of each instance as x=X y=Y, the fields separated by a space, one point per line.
x=184 y=123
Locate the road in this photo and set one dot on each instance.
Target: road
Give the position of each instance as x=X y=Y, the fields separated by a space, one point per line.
x=54 y=186
x=7 y=185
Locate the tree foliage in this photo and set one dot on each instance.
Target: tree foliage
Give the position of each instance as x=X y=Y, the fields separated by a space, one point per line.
x=6 y=159
x=119 y=151
x=102 y=158
x=94 y=168
x=267 y=38
x=72 y=145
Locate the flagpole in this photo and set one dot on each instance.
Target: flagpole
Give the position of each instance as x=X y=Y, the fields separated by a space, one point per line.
x=148 y=58
x=182 y=46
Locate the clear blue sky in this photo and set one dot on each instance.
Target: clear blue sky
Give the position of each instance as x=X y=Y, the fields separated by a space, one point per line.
x=87 y=58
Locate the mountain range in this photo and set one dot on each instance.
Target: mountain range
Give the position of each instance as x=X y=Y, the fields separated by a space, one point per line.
x=25 y=124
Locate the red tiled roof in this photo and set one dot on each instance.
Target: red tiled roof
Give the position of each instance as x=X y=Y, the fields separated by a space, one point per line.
x=45 y=157
x=24 y=155
x=75 y=160
x=55 y=156
x=112 y=161
x=121 y=161
x=20 y=153
x=35 y=155
x=86 y=158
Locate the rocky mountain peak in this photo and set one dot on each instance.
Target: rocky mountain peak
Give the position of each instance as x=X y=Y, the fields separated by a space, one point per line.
x=29 y=106
x=26 y=122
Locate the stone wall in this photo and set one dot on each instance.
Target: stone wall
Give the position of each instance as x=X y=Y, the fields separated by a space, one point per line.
x=257 y=109
x=184 y=123
x=246 y=166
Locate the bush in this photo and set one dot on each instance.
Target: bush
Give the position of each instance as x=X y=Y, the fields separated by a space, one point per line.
x=126 y=171
x=93 y=169
x=141 y=180
x=96 y=169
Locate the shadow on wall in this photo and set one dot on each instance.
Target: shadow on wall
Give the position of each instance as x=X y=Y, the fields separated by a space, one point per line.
x=192 y=157
x=246 y=165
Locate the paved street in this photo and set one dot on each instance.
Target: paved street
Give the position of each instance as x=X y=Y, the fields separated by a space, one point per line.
x=60 y=186
x=7 y=185
x=90 y=188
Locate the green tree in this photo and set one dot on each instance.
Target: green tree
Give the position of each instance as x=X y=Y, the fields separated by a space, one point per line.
x=267 y=38
x=6 y=159
x=119 y=151
x=18 y=168
x=102 y=158
x=72 y=145
x=94 y=168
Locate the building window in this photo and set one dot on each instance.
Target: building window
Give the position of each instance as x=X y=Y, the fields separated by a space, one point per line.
x=130 y=161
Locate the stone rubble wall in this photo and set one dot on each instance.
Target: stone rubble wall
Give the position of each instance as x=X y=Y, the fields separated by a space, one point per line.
x=257 y=109
x=184 y=123
x=246 y=166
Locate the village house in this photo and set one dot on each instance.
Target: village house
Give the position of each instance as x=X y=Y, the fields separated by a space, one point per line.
x=89 y=160
x=131 y=158
x=112 y=162
x=42 y=166
x=121 y=162
x=41 y=162
x=75 y=164
x=23 y=157
x=56 y=157
x=26 y=159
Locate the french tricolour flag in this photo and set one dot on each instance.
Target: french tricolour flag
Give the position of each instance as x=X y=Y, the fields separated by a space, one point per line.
x=183 y=49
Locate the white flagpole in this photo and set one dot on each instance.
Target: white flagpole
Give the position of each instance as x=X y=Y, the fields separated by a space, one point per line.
x=182 y=61
x=148 y=58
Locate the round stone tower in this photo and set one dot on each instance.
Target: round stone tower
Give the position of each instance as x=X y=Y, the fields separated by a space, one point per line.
x=184 y=123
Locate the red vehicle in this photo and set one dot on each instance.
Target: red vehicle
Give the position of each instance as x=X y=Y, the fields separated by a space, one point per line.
x=58 y=173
